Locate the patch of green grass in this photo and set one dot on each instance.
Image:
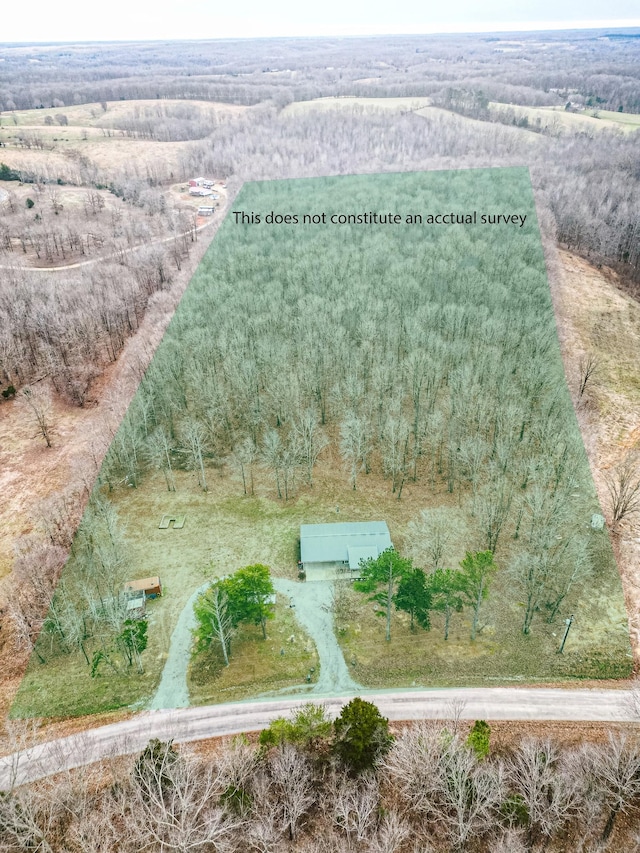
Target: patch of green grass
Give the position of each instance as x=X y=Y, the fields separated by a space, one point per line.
x=424 y=659
x=559 y=119
x=256 y=666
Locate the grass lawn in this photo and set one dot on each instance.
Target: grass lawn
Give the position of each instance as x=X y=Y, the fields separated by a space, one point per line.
x=256 y=666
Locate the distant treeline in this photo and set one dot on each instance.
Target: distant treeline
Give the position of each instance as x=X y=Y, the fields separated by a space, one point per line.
x=530 y=68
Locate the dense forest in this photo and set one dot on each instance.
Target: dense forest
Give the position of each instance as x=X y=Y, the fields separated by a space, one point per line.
x=586 y=177
x=424 y=353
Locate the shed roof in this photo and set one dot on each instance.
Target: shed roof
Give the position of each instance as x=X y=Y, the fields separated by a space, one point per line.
x=335 y=543
x=143 y=583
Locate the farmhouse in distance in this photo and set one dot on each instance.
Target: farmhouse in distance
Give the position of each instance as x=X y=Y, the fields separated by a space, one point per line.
x=341 y=545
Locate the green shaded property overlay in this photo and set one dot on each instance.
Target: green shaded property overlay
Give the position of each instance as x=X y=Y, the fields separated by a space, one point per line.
x=386 y=369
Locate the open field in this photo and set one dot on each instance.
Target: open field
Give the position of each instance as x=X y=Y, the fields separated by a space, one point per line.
x=347 y=102
x=554 y=118
x=457 y=440
x=138 y=138
x=94 y=116
x=557 y=119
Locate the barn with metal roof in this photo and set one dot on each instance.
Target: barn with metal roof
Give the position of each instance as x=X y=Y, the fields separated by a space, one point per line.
x=338 y=546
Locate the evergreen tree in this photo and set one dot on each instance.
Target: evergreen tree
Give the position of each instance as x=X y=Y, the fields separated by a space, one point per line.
x=382 y=577
x=415 y=598
x=361 y=735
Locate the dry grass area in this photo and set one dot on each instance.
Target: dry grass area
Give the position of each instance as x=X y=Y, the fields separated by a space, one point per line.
x=92 y=115
x=515 y=135
x=553 y=117
x=94 y=134
x=108 y=155
x=348 y=102
x=596 y=317
x=559 y=120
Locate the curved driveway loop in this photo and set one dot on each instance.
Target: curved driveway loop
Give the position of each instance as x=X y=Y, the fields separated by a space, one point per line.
x=313 y=604
x=172 y=691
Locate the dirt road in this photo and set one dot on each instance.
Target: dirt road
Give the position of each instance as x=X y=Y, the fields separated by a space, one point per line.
x=192 y=724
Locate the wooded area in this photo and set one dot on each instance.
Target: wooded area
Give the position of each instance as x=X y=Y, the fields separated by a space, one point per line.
x=313 y=785
x=65 y=198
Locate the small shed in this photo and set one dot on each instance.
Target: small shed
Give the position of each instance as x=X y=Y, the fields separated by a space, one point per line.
x=136 y=604
x=342 y=545
x=151 y=587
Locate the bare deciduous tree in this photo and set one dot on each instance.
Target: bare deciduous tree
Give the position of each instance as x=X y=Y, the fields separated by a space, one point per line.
x=623 y=485
x=311 y=439
x=176 y=805
x=394 y=830
x=588 y=367
x=355 y=803
x=293 y=780
x=354 y=445
x=38 y=401
x=549 y=795
x=470 y=793
x=194 y=446
x=616 y=766
x=415 y=765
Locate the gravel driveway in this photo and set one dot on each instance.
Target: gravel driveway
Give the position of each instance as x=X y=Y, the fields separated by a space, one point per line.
x=172 y=691
x=313 y=601
x=313 y=604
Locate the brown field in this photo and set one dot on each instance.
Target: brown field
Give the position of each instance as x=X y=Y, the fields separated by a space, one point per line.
x=348 y=102
x=105 y=144
x=560 y=120
x=92 y=115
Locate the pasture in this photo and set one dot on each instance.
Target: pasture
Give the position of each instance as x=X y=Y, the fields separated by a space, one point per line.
x=558 y=120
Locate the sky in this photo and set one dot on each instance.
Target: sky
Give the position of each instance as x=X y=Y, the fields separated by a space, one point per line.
x=73 y=20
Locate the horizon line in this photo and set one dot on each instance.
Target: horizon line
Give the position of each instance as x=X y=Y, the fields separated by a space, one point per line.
x=475 y=28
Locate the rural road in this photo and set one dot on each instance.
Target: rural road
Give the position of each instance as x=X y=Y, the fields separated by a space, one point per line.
x=192 y=724
x=101 y=258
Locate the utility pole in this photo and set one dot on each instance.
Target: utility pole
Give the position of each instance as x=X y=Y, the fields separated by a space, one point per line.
x=568 y=622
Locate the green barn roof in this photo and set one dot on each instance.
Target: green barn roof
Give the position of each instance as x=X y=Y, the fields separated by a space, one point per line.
x=346 y=542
